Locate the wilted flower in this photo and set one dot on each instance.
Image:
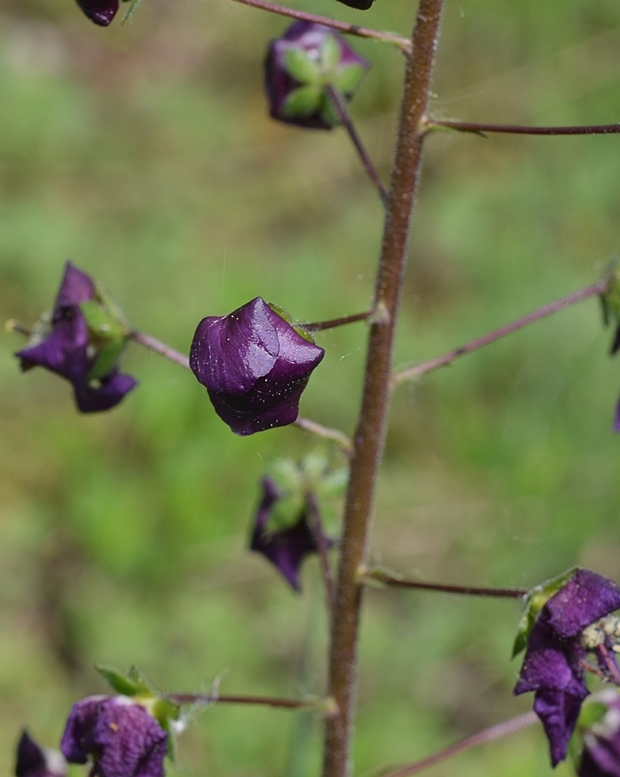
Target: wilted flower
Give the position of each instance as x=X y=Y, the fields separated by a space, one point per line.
x=34 y=761
x=121 y=737
x=564 y=631
x=99 y=11
x=78 y=350
x=287 y=547
x=601 y=741
x=300 y=65
x=254 y=365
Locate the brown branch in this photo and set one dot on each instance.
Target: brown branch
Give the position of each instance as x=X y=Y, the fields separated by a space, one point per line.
x=392 y=580
x=201 y=698
x=161 y=348
x=497 y=334
x=324 y=431
x=332 y=323
x=345 y=27
x=322 y=543
x=369 y=438
x=479 y=128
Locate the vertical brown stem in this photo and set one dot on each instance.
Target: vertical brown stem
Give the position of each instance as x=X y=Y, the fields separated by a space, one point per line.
x=371 y=428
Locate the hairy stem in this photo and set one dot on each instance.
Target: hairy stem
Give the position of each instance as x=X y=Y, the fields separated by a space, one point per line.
x=161 y=348
x=335 y=24
x=369 y=437
x=518 y=129
x=487 y=735
x=386 y=578
x=342 y=109
x=547 y=310
x=322 y=543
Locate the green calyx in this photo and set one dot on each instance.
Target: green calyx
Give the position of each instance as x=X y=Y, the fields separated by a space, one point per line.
x=535 y=600
x=108 y=331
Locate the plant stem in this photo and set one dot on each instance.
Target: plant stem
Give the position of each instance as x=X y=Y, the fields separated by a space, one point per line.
x=161 y=348
x=322 y=543
x=332 y=323
x=518 y=129
x=497 y=334
x=345 y=27
x=324 y=431
x=342 y=109
x=395 y=581
x=487 y=735
x=201 y=698
x=369 y=439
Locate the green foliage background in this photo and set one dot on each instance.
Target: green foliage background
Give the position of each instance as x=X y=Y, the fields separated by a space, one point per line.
x=143 y=152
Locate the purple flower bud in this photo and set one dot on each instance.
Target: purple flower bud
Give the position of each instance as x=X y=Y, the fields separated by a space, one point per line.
x=601 y=743
x=68 y=348
x=34 y=761
x=254 y=365
x=300 y=65
x=121 y=737
x=99 y=11
x=285 y=548
x=553 y=667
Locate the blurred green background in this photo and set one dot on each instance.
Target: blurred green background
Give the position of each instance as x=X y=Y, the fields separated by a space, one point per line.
x=143 y=152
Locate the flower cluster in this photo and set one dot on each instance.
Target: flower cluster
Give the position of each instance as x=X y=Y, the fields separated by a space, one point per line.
x=300 y=65
x=566 y=629
x=254 y=365
x=81 y=342
x=120 y=735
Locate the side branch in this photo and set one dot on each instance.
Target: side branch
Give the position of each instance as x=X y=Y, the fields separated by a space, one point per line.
x=487 y=735
x=161 y=348
x=547 y=310
x=335 y=24
x=519 y=129
x=385 y=578
x=206 y=698
x=332 y=323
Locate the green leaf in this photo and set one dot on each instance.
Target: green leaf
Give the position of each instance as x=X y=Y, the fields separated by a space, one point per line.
x=535 y=600
x=118 y=681
x=301 y=66
x=302 y=102
x=329 y=54
x=347 y=78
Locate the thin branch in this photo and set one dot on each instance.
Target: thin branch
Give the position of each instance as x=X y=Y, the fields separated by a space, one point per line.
x=324 y=431
x=12 y=325
x=316 y=525
x=342 y=109
x=518 y=129
x=200 y=698
x=346 y=27
x=487 y=735
x=332 y=323
x=395 y=581
x=547 y=310
x=161 y=348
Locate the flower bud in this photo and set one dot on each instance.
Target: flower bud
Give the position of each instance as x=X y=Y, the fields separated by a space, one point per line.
x=300 y=64
x=100 y=12
x=81 y=341
x=34 y=761
x=254 y=365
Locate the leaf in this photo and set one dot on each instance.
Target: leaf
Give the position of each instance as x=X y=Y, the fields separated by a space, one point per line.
x=302 y=102
x=301 y=66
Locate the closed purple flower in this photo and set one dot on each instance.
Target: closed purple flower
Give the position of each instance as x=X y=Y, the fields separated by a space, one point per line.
x=254 y=366
x=119 y=735
x=300 y=65
x=99 y=11
x=69 y=350
x=285 y=548
x=557 y=648
x=601 y=743
x=34 y=761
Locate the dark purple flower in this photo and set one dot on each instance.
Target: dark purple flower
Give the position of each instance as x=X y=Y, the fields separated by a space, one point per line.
x=254 y=366
x=68 y=348
x=601 y=742
x=300 y=64
x=556 y=650
x=99 y=11
x=120 y=736
x=285 y=548
x=33 y=761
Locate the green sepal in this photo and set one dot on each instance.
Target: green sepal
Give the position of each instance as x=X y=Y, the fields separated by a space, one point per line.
x=347 y=78
x=329 y=114
x=304 y=333
x=132 y=684
x=281 y=312
x=333 y=484
x=329 y=54
x=535 y=600
x=302 y=102
x=106 y=359
x=165 y=711
x=300 y=66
